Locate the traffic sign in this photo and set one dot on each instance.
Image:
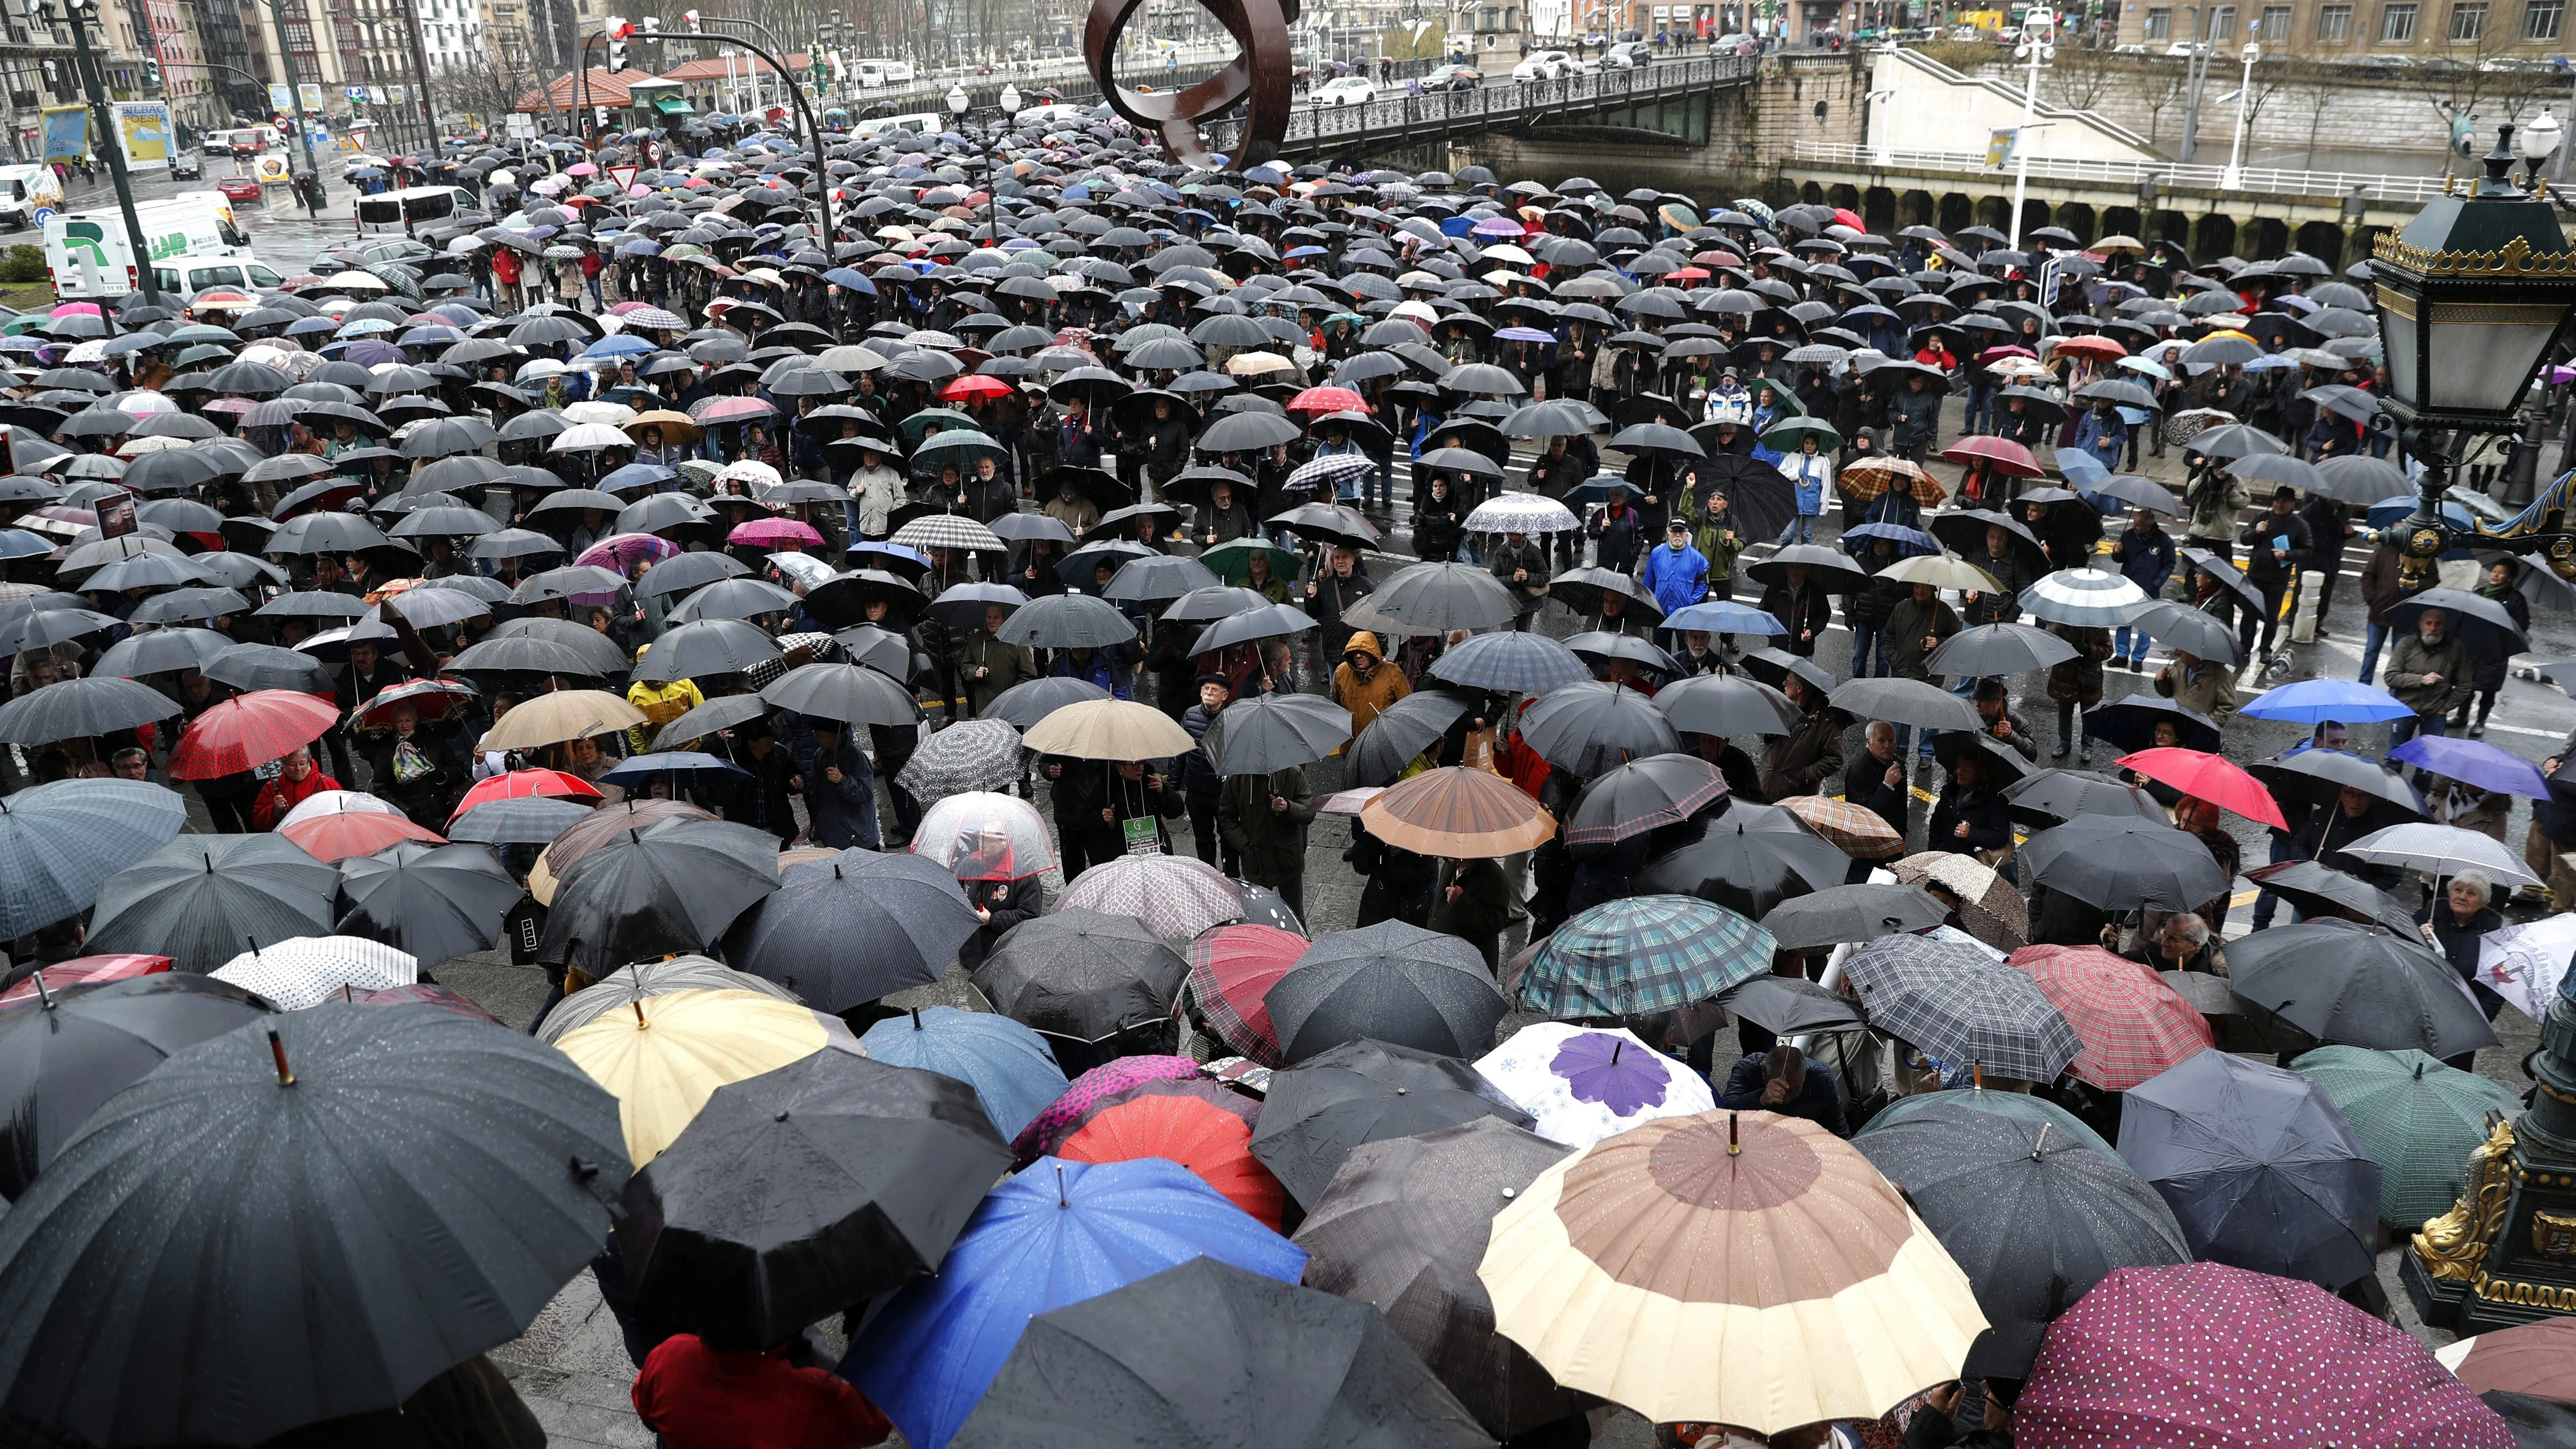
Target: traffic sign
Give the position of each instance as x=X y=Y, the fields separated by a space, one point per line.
x=624 y=176
x=40 y=216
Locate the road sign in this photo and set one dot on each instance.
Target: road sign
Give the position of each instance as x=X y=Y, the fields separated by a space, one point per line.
x=40 y=216
x=624 y=176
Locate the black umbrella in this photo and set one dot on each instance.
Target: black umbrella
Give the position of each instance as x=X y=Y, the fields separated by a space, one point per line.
x=1023 y=705
x=1201 y=1354
x=2479 y=622
x=1320 y=1109
x=1726 y=704
x=2121 y=863
x=2227 y=574
x=1788 y=1006
x=2320 y=890
x=671 y=886
x=1270 y=621
x=1643 y=795
x=706 y=646
x=65 y=1055
x=1964 y=530
x=1082 y=975
x=2358 y=985
x=854 y=928
x=1067 y=621
x=72 y=709
x=1438 y=597
x=1583 y=589
x=1402 y=731
x=1761 y=501
x=2130 y=724
x=2033 y=1212
x=1852 y=913
x=1997 y=649
x=201 y=900
x=1829 y=567
x=1390 y=982
x=724 y=712
x=1905 y=702
x=524 y=654
x=368 y=1195
x=528 y=820
x=1274 y=732
x=2049 y=797
x=1404 y=1227
x=801 y=1191
x=1585 y=729
x=2318 y=777
x=848 y=693
x=433 y=902
x=1748 y=860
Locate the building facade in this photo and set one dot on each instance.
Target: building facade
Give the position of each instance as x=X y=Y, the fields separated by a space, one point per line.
x=2390 y=34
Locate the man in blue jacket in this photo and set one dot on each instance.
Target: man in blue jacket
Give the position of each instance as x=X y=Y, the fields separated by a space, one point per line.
x=1676 y=574
x=840 y=789
x=2146 y=557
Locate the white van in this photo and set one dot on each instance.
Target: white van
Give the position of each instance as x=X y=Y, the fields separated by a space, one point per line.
x=920 y=123
x=397 y=213
x=184 y=277
x=877 y=72
x=25 y=188
x=88 y=254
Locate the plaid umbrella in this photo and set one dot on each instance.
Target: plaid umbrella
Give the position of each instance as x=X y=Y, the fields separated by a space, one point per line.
x=1329 y=470
x=1508 y=663
x=1867 y=480
x=973 y=754
x=1855 y=831
x=1955 y=1004
x=2418 y=1118
x=1232 y=970
x=1176 y=896
x=1641 y=795
x=1643 y=954
x=2131 y=1023
x=949 y=530
x=1988 y=906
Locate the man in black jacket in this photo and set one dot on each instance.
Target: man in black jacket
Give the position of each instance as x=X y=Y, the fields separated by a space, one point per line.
x=2277 y=543
x=1875 y=780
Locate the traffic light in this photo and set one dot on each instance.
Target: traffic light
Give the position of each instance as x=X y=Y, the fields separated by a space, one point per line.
x=616 y=56
x=151 y=73
x=618 y=28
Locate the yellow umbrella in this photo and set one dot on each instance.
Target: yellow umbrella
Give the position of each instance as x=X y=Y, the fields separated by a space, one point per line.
x=676 y=427
x=566 y=714
x=1109 y=729
x=665 y=1055
x=1940 y=570
x=1744 y=1268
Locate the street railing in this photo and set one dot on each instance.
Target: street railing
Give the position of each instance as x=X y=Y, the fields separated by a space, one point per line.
x=2172 y=175
x=1498 y=106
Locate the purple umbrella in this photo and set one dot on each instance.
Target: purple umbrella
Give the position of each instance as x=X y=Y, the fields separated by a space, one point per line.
x=1500 y=226
x=2474 y=762
x=1592 y=1066
x=369 y=351
x=622 y=551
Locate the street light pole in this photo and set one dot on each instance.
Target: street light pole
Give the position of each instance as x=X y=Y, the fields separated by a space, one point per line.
x=102 y=125
x=2038 y=45
x=2233 y=178
x=295 y=87
x=2195 y=75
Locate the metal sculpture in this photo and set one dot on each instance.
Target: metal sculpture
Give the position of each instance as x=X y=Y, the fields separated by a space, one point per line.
x=1257 y=79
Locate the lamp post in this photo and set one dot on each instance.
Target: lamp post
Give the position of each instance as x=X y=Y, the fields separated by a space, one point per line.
x=2233 y=178
x=2038 y=45
x=295 y=87
x=80 y=14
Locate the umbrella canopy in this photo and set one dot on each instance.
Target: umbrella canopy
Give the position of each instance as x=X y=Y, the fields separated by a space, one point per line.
x=1995 y=649
x=1852 y=913
x=1389 y=982
x=849 y=693
x=2132 y=1024
x=1642 y=954
x=1726 y=704
x=2474 y=762
x=2047 y=797
x=1988 y=906
x=1176 y=896
x=1232 y=969
x=201 y=898
x=2211 y=777
x=1954 y=1003
x=2121 y=863
x=2318 y=777
x=1583 y=1084
x=2535 y=1359
x=1273 y=732
x=306 y=971
x=2260 y=1169
x=1511 y=662
x=2526 y=964
x=74 y=709
x=985 y=836
x=2204 y=1353
x=2317 y=890
x=2419 y=1119
x=1198 y=1353
x=1401 y=732
x=2131 y=724
x=1109 y=729
x=662 y=1056
x=1748 y=860
x=299 y=1164
x=2084 y=598
x=1056 y=1234
x=61 y=841
x=1590 y=729
x=621 y=988
x=971 y=754
x=2359 y=985
x=855 y=927
x=1013 y=1073
x=1855 y=830
x=1082 y=975
x=1437 y=597
x=674 y=885
x=1632 y=1269
x=1023 y=705
x=248 y=731
x=432 y=902
x=1905 y=702
x=1320 y=1109
x=815 y=1185
x=1403 y=1227
x=1067 y=621
x=1458 y=813
x=1642 y=795
x=564 y=714
x=2440 y=850
x=2034 y=1215
x=2315 y=701
x=1197 y=1123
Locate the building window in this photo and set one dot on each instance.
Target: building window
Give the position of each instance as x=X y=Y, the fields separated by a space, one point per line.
x=2334 y=24
x=2468 y=21
x=2222 y=25
x=2275 y=27
x=2160 y=23
x=2541 y=19
x=2397 y=24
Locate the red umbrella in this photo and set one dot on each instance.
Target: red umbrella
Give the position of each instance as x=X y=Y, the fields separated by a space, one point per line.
x=1998 y=354
x=2001 y=454
x=1845 y=216
x=1717 y=259
x=2212 y=778
x=87 y=971
x=975 y=385
x=1328 y=400
x=1232 y=969
x=249 y=730
x=341 y=834
x=522 y=784
x=2202 y=1353
x=2088 y=345
x=2132 y=1024
x=1198 y=1124
x=1687 y=274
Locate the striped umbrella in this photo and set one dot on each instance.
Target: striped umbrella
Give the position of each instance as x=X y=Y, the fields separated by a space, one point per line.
x=2419 y=1119
x=1855 y=831
x=2132 y=1024
x=1957 y=1005
x=2084 y=598
x=948 y=530
x=60 y=842
x=1642 y=954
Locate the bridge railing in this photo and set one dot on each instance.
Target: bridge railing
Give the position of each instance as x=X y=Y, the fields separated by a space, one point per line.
x=1488 y=107
x=2371 y=186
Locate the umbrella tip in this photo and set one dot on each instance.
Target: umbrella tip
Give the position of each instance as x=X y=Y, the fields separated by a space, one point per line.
x=1062 y=1198
x=1616 y=1046
x=916 y=1018
x=2419 y=1071
x=277 y=1051
x=44 y=993
x=640 y=1023
x=2041 y=1145
x=1734 y=1145
x=1977 y=1075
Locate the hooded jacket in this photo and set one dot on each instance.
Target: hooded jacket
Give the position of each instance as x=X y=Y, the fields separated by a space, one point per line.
x=1369 y=698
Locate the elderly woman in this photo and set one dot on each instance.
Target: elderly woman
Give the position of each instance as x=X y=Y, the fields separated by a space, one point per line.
x=2459 y=923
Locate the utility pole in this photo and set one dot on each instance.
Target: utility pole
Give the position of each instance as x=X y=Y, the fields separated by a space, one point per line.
x=420 y=75
x=104 y=133
x=2233 y=178
x=2038 y=45
x=2195 y=74
x=303 y=120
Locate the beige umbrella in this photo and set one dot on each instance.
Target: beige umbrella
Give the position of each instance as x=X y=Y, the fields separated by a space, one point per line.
x=566 y=714
x=1109 y=729
x=676 y=427
x=1458 y=813
x=1989 y=908
x=1251 y=364
x=1742 y=1268
x=1941 y=571
x=1855 y=830
x=663 y=1056
x=648 y=979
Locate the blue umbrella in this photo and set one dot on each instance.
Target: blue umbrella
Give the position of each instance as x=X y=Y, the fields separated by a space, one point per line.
x=60 y=842
x=2314 y=701
x=637 y=475
x=621 y=345
x=1910 y=542
x=1057 y=1234
x=1013 y=1072
x=846 y=277
x=1724 y=616
x=699 y=769
x=2474 y=762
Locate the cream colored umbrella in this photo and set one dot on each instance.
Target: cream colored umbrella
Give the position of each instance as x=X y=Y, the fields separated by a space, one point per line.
x=565 y=714
x=1742 y=1268
x=1109 y=729
x=663 y=1056
x=1941 y=571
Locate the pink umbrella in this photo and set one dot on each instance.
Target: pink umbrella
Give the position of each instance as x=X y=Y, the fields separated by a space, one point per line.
x=622 y=551
x=77 y=309
x=735 y=410
x=1046 y=1130
x=581 y=168
x=775 y=533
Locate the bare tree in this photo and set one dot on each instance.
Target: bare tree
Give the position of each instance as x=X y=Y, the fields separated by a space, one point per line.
x=2308 y=89
x=2160 y=91
x=2273 y=80
x=486 y=83
x=2082 y=74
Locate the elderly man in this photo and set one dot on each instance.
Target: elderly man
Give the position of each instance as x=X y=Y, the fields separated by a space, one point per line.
x=2200 y=685
x=1787 y=1081
x=1875 y=780
x=2182 y=945
x=2428 y=671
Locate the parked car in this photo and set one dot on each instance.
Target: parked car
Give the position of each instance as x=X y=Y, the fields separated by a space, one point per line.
x=1453 y=78
x=187 y=166
x=1349 y=90
x=1547 y=65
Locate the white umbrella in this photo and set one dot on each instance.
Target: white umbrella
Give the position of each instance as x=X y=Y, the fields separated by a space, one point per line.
x=586 y=437
x=2440 y=850
x=749 y=470
x=2084 y=598
x=309 y=970
x=594 y=411
x=1522 y=513
x=338 y=802
x=2525 y=964
x=1583 y=1084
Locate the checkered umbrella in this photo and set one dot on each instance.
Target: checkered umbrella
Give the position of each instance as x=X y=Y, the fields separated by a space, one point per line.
x=972 y=754
x=654 y=319
x=2085 y=598
x=1329 y=470
x=2131 y=1023
x=795 y=651
x=949 y=530
x=1988 y=906
x=1522 y=663
x=1643 y=954
x=1232 y=970
x=2419 y=1118
x=1176 y=896
x=1855 y=831
x=1955 y=1004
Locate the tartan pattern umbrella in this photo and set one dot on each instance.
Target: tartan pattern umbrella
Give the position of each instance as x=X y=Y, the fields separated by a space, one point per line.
x=1867 y=480
x=1176 y=896
x=972 y=754
x=1231 y=972
x=2418 y=1118
x=2132 y=1024
x=948 y=530
x=1955 y=1004
x=1643 y=954
x=1641 y=795
x=1856 y=832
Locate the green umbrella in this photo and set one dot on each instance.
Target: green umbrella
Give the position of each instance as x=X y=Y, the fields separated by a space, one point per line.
x=2418 y=1118
x=1232 y=560
x=1788 y=433
x=961 y=446
x=916 y=424
x=1779 y=391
